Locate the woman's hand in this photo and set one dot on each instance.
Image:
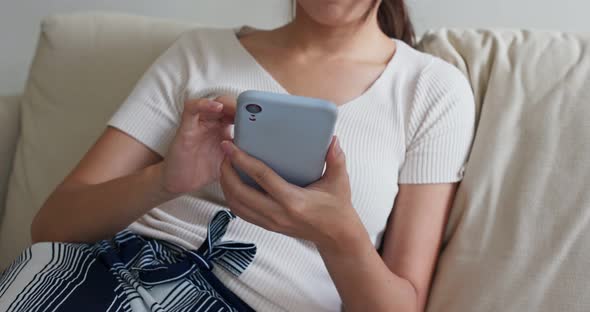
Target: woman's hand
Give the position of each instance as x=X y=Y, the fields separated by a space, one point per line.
x=195 y=154
x=321 y=213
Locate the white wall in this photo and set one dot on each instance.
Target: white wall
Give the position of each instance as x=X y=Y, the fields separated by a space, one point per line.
x=564 y=15
x=19 y=23
x=19 y=19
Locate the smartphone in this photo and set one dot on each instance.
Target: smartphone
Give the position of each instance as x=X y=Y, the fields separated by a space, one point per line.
x=290 y=134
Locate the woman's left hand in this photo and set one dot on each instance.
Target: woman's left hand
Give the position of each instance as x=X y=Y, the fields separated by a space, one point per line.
x=321 y=213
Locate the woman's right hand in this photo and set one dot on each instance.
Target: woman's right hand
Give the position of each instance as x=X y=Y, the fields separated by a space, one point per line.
x=195 y=155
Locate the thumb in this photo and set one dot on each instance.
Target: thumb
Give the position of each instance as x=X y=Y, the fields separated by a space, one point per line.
x=335 y=163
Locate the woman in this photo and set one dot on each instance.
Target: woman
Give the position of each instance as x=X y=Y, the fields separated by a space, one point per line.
x=164 y=168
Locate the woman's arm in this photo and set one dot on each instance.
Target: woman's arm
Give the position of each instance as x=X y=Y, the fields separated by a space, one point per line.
x=323 y=213
x=116 y=182
x=120 y=179
x=399 y=279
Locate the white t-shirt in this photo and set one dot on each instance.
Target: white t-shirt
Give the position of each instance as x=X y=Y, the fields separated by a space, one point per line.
x=414 y=125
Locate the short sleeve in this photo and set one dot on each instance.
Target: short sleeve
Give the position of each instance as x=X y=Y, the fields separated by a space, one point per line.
x=151 y=113
x=440 y=127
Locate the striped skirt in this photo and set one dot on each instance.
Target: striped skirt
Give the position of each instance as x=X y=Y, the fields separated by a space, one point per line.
x=127 y=273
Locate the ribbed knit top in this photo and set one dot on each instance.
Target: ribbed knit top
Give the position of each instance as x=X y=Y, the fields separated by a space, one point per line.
x=414 y=125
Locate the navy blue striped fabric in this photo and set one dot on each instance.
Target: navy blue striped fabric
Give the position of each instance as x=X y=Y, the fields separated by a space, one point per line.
x=128 y=273
x=12 y=272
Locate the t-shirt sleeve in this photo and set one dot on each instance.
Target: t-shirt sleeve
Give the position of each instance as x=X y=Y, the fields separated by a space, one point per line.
x=151 y=113
x=440 y=127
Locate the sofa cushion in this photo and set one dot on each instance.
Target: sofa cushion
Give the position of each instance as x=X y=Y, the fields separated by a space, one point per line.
x=85 y=66
x=519 y=234
x=9 y=129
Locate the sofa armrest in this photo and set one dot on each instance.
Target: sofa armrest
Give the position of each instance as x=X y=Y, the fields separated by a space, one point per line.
x=9 y=133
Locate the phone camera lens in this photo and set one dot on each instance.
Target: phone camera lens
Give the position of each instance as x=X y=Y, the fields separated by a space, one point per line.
x=253 y=108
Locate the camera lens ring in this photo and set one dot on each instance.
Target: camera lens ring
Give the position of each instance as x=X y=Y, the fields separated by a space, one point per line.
x=253 y=108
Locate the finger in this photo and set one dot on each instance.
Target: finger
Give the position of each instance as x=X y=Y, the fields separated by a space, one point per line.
x=227 y=133
x=200 y=106
x=237 y=191
x=229 y=107
x=271 y=182
x=211 y=116
x=210 y=111
x=245 y=213
x=336 y=174
x=335 y=160
x=243 y=192
x=192 y=112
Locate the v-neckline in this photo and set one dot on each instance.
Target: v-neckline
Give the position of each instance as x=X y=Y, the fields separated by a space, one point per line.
x=235 y=33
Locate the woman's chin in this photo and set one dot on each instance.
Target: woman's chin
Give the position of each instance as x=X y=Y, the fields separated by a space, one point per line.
x=333 y=20
x=333 y=14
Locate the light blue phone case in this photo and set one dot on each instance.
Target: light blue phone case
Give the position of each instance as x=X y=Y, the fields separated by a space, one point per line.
x=290 y=134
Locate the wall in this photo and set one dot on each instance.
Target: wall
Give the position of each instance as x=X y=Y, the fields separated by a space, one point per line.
x=565 y=15
x=19 y=23
x=19 y=19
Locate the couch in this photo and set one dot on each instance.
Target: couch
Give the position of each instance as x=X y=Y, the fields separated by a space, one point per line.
x=518 y=237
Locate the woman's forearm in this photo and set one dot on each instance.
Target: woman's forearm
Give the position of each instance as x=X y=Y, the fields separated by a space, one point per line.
x=88 y=213
x=364 y=281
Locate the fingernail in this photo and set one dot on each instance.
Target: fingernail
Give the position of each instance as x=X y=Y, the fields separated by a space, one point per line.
x=214 y=104
x=228 y=147
x=337 y=148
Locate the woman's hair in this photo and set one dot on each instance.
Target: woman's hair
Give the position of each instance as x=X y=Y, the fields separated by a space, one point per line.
x=394 y=19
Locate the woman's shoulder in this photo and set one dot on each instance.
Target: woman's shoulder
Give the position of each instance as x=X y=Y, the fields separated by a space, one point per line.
x=437 y=84
x=427 y=69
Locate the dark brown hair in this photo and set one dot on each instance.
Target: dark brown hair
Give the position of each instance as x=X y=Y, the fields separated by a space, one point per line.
x=394 y=19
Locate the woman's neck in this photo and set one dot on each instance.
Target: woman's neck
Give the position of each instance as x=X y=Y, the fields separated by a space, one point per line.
x=356 y=40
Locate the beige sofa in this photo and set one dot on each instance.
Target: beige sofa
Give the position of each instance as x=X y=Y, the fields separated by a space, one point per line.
x=519 y=234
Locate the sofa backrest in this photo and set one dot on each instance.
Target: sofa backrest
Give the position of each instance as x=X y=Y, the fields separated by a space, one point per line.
x=84 y=67
x=9 y=131
x=519 y=234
